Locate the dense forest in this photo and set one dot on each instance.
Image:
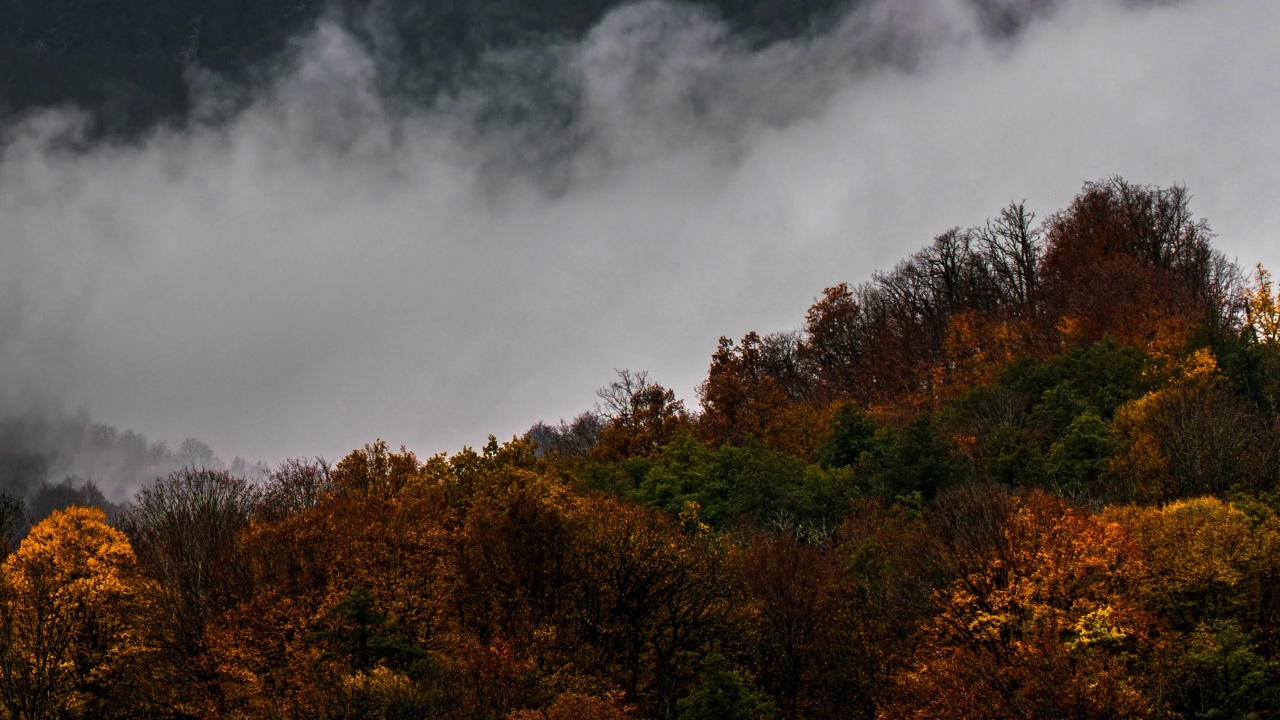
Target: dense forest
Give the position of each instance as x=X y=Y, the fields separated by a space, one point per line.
x=130 y=65
x=1030 y=472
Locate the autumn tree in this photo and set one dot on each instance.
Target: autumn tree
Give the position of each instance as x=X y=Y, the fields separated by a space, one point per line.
x=348 y=598
x=1045 y=626
x=828 y=621
x=652 y=601
x=570 y=706
x=375 y=469
x=1133 y=261
x=756 y=389
x=640 y=416
x=1210 y=566
x=1262 y=308
x=1194 y=436
x=839 y=342
x=72 y=606
x=1250 y=354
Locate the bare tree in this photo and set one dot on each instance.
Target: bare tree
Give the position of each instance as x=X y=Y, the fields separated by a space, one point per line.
x=296 y=485
x=183 y=529
x=13 y=523
x=1012 y=247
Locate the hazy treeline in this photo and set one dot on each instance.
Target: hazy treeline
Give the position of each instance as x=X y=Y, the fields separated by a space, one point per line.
x=49 y=460
x=1030 y=472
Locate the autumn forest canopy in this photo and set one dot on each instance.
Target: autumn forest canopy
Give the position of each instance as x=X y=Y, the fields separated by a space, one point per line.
x=1028 y=472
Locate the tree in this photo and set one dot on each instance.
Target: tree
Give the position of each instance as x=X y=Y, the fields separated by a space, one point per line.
x=295 y=486
x=651 y=601
x=1191 y=438
x=571 y=706
x=1013 y=249
x=1045 y=626
x=745 y=394
x=852 y=434
x=1077 y=463
x=1262 y=309
x=922 y=458
x=184 y=528
x=376 y=470
x=568 y=439
x=1013 y=459
x=1199 y=554
x=348 y=597
x=1133 y=261
x=641 y=416
x=71 y=603
x=1210 y=567
x=721 y=693
x=13 y=523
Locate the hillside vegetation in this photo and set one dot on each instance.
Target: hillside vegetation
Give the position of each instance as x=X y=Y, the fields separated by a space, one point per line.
x=1029 y=472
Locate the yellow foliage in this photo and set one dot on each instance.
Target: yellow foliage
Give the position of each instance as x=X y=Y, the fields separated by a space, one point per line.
x=1262 y=308
x=1200 y=367
x=1096 y=628
x=379 y=689
x=1193 y=436
x=976 y=349
x=1043 y=626
x=1071 y=330
x=580 y=707
x=1197 y=551
x=69 y=614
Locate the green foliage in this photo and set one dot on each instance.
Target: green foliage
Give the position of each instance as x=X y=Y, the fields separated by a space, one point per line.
x=360 y=635
x=1224 y=678
x=1077 y=462
x=723 y=694
x=747 y=482
x=1014 y=459
x=1097 y=377
x=852 y=434
x=1253 y=367
x=920 y=459
x=1058 y=407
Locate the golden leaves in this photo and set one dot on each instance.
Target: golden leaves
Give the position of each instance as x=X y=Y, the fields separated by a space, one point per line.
x=1197 y=550
x=1262 y=308
x=69 y=614
x=1037 y=627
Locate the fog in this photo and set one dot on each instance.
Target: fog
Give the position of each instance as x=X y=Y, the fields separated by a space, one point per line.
x=327 y=265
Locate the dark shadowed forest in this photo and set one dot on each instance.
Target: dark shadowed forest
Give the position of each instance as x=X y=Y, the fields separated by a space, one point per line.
x=1028 y=472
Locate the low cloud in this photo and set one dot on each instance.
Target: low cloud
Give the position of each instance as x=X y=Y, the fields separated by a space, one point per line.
x=330 y=264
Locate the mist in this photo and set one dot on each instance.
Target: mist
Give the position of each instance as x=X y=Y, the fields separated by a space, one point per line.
x=325 y=262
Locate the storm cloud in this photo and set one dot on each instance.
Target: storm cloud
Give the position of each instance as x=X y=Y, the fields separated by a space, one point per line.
x=328 y=263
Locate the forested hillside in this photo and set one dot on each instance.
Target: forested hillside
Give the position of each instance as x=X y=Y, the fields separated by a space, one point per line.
x=1029 y=472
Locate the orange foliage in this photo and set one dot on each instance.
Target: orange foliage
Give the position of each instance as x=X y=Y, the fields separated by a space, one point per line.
x=1190 y=437
x=580 y=707
x=1129 y=261
x=977 y=347
x=1044 y=628
x=71 y=603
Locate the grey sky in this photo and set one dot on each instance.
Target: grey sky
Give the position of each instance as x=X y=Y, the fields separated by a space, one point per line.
x=324 y=270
